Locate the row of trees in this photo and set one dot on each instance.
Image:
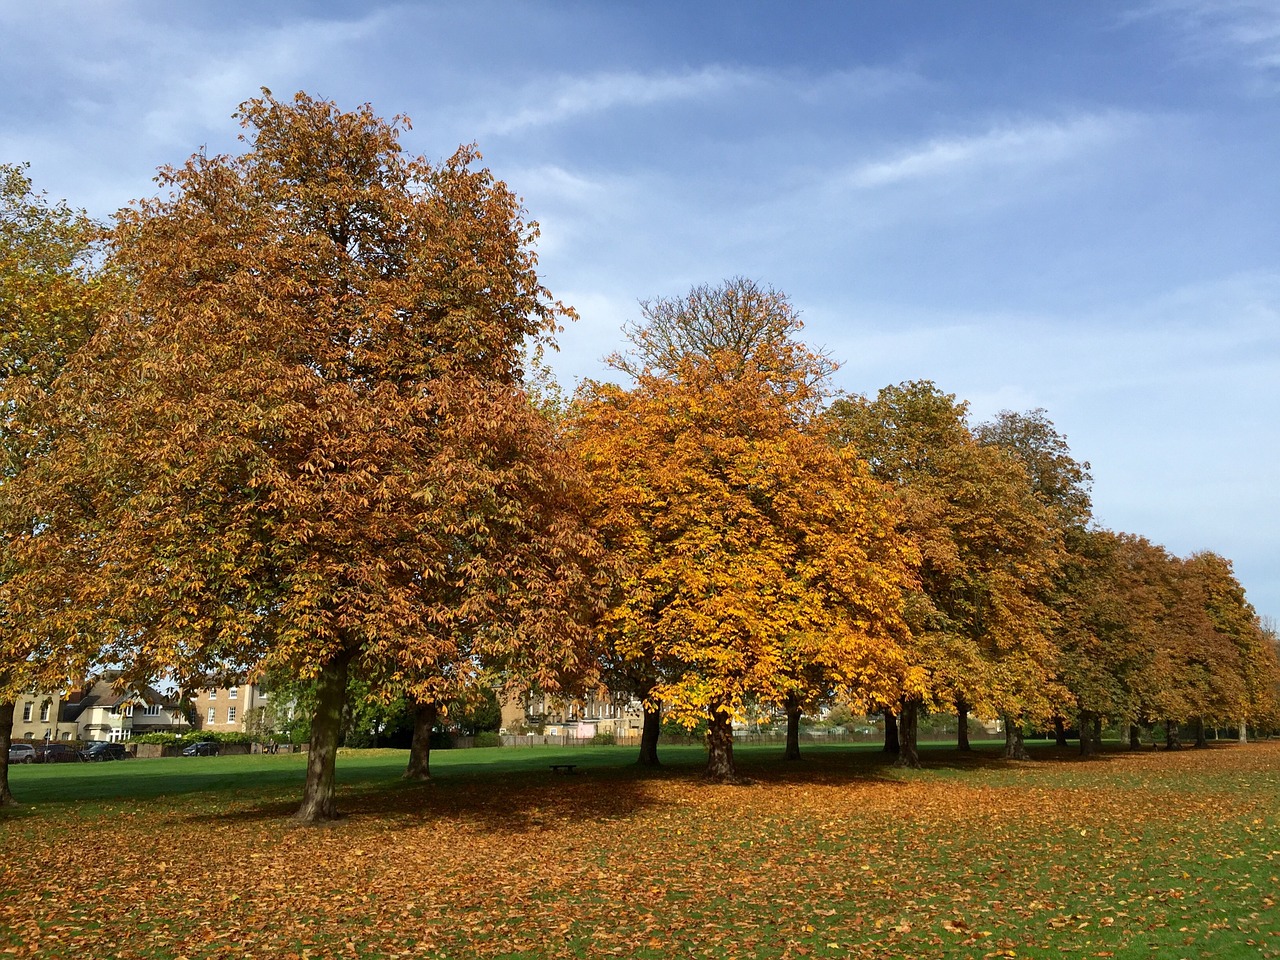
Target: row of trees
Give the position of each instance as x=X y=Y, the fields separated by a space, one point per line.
x=779 y=547
x=278 y=422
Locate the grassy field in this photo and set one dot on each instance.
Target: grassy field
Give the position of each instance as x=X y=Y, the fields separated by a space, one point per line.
x=1131 y=855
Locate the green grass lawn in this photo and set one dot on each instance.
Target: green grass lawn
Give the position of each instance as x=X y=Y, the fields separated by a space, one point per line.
x=1132 y=855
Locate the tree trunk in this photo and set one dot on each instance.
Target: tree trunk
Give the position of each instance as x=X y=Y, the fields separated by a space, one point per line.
x=891 y=742
x=6 y=733
x=1087 y=746
x=793 y=729
x=649 y=735
x=1171 y=741
x=318 y=805
x=1060 y=732
x=1242 y=736
x=1202 y=742
x=962 y=726
x=424 y=720
x=1014 y=748
x=720 y=768
x=908 y=725
x=1135 y=737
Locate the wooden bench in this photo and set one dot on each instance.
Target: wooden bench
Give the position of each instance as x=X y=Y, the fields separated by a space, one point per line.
x=563 y=767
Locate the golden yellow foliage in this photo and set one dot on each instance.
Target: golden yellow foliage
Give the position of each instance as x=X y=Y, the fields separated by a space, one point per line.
x=756 y=561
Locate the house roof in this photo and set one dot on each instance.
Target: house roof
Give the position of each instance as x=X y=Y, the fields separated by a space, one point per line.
x=104 y=694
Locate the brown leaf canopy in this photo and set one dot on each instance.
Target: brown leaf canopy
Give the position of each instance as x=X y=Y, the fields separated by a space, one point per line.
x=303 y=433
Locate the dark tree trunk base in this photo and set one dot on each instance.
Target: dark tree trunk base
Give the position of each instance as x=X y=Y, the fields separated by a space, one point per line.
x=892 y=743
x=720 y=766
x=908 y=728
x=7 y=799
x=792 y=751
x=1090 y=733
x=1060 y=732
x=649 y=736
x=1014 y=748
x=1202 y=742
x=962 y=727
x=424 y=720
x=1135 y=737
x=318 y=801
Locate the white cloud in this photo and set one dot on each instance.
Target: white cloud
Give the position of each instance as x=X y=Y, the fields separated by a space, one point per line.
x=571 y=97
x=577 y=97
x=207 y=89
x=1241 y=31
x=1031 y=144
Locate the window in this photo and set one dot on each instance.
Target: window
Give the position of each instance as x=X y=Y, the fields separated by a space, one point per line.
x=153 y=710
x=128 y=710
x=44 y=712
x=231 y=714
x=233 y=692
x=213 y=714
x=114 y=710
x=213 y=694
x=26 y=712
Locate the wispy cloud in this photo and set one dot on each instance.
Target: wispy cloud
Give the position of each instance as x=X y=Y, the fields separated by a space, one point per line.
x=1243 y=31
x=569 y=98
x=1029 y=144
x=206 y=91
x=596 y=94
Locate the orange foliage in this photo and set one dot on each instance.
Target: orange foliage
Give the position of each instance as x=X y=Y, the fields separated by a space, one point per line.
x=302 y=440
x=756 y=561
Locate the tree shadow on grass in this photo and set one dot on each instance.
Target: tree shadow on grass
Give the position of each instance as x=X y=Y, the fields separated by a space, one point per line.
x=516 y=794
x=509 y=802
x=535 y=799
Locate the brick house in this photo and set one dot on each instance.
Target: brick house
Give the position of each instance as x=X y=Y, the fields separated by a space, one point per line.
x=230 y=709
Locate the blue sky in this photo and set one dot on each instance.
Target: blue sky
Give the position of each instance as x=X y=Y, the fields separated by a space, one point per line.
x=1069 y=206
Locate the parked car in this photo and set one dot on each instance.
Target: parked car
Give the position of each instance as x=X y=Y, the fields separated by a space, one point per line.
x=22 y=753
x=204 y=748
x=105 y=751
x=55 y=752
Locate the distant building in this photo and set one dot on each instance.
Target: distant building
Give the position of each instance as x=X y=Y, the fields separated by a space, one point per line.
x=97 y=711
x=581 y=718
x=239 y=709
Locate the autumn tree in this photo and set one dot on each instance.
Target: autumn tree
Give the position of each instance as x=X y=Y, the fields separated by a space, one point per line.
x=1113 y=652
x=1238 y=662
x=742 y=321
x=1062 y=485
x=50 y=298
x=987 y=548
x=750 y=549
x=275 y=474
x=516 y=586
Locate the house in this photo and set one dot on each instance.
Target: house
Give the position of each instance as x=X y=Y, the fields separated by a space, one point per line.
x=40 y=716
x=239 y=709
x=580 y=718
x=96 y=711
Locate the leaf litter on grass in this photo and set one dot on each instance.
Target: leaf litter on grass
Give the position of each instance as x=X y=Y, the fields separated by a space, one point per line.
x=1175 y=851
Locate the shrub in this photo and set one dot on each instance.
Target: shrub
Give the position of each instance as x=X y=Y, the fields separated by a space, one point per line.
x=164 y=739
x=604 y=738
x=487 y=738
x=193 y=736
